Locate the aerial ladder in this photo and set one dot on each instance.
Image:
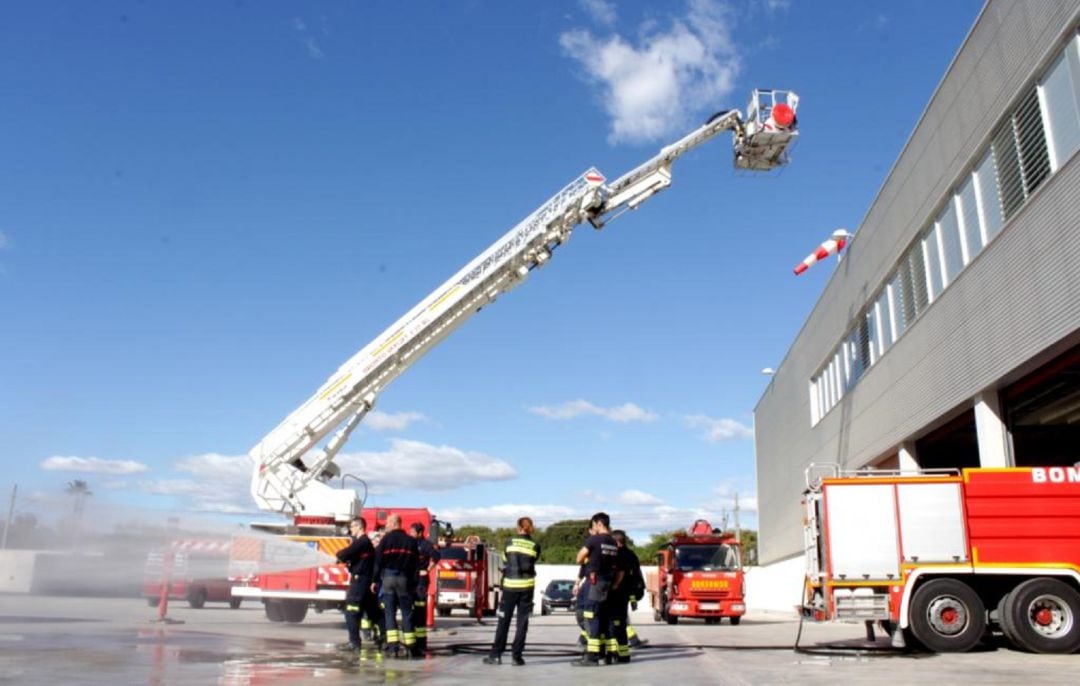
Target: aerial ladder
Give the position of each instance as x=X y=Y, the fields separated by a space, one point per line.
x=293 y=476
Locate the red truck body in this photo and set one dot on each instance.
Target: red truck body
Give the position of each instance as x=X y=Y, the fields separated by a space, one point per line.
x=699 y=575
x=939 y=558
x=194 y=570
x=288 y=591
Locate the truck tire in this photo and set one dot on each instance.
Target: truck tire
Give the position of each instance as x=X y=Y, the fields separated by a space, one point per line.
x=443 y=611
x=274 y=610
x=197 y=597
x=947 y=616
x=234 y=603
x=153 y=602
x=735 y=621
x=1042 y=616
x=294 y=611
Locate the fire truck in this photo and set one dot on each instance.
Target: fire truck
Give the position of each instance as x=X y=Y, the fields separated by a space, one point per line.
x=469 y=575
x=938 y=557
x=194 y=570
x=302 y=573
x=295 y=477
x=699 y=574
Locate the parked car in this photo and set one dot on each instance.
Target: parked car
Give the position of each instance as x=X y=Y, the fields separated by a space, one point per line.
x=559 y=593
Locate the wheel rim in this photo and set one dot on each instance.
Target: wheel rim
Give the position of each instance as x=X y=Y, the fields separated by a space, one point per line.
x=947 y=615
x=1050 y=616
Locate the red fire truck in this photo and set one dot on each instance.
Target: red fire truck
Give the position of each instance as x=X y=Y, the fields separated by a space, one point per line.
x=288 y=573
x=193 y=570
x=699 y=574
x=468 y=578
x=938 y=558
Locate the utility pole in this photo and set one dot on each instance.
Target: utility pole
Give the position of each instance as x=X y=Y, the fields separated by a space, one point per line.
x=10 y=514
x=738 y=534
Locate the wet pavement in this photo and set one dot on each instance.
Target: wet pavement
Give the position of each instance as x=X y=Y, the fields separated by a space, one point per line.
x=50 y=640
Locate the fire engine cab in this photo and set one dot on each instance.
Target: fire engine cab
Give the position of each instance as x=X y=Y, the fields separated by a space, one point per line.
x=699 y=574
x=940 y=556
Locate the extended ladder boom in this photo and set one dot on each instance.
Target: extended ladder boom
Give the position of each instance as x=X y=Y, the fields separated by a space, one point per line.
x=283 y=481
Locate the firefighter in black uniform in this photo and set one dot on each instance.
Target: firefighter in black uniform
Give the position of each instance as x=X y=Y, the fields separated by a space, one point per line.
x=628 y=591
x=426 y=562
x=518 y=584
x=635 y=584
x=395 y=564
x=359 y=555
x=601 y=575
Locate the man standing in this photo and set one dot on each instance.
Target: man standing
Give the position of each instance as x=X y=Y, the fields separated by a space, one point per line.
x=601 y=574
x=518 y=584
x=359 y=555
x=395 y=564
x=628 y=591
x=427 y=561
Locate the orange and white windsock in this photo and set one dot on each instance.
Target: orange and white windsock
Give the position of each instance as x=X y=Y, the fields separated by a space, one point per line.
x=831 y=246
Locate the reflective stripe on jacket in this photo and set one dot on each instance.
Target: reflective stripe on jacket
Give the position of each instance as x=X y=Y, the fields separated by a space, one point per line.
x=520 y=556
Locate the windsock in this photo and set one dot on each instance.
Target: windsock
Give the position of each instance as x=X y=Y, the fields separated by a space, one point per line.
x=831 y=246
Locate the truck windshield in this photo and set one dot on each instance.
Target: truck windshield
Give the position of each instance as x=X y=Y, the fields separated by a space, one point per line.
x=706 y=558
x=454 y=553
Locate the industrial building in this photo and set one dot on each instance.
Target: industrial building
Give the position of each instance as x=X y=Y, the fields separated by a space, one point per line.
x=949 y=334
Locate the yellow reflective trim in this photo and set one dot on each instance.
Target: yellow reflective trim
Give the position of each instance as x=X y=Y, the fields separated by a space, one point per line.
x=588 y=614
x=336 y=385
x=521 y=551
x=519 y=583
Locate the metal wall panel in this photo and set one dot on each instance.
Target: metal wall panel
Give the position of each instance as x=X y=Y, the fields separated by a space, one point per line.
x=1017 y=300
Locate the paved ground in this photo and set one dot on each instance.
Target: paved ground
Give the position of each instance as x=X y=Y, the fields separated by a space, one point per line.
x=50 y=640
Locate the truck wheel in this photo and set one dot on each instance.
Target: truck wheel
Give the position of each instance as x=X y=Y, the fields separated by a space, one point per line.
x=197 y=598
x=443 y=611
x=274 y=610
x=947 y=616
x=153 y=602
x=735 y=621
x=1042 y=616
x=294 y=611
x=234 y=603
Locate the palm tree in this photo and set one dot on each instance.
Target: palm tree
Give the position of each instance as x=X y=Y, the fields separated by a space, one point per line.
x=79 y=490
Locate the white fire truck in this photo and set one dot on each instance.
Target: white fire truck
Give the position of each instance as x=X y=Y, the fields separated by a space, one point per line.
x=941 y=556
x=292 y=475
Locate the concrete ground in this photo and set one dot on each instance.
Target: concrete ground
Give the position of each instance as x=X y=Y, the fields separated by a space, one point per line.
x=49 y=640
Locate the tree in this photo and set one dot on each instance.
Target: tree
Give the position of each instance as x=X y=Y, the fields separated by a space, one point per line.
x=748 y=538
x=647 y=553
x=80 y=491
x=561 y=541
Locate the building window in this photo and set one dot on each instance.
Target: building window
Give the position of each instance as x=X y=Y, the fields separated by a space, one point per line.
x=969 y=219
x=1023 y=161
x=932 y=258
x=990 y=210
x=952 y=251
x=1060 y=91
x=884 y=313
x=896 y=298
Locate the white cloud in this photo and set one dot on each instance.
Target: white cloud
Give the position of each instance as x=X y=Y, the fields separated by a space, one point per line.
x=601 y=11
x=385 y=421
x=635 y=498
x=653 y=85
x=778 y=5
x=3 y=240
x=92 y=465
x=507 y=515
x=217 y=483
x=623 y=414
x=719 y=430
x=314 y=50
x=420 y=466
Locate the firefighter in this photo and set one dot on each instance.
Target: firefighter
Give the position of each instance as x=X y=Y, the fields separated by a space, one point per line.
x=359 y=555
x=602 y=574
x=427 y=561
x=395 y=565
x=629 y=590
x=518 y=585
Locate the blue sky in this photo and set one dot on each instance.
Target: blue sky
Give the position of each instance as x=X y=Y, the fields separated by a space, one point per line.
x=206 y=207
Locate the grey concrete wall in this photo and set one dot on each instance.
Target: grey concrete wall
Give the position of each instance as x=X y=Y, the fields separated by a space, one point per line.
x=1017 y=300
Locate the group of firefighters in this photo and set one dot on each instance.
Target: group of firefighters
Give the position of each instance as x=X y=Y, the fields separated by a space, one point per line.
x=385 y=576
x=392 y=574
